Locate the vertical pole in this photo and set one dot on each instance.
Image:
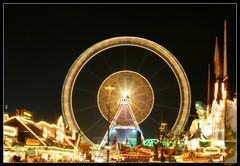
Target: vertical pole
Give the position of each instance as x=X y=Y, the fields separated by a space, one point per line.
x=225 y=77
x=208 y=92
x=225 y=51
x=109 y=88
x=109 y=92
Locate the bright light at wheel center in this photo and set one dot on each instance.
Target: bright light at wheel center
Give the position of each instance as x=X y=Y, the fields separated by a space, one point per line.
x=125 y=94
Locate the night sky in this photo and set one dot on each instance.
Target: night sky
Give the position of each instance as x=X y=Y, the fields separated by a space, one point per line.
x=41 y=42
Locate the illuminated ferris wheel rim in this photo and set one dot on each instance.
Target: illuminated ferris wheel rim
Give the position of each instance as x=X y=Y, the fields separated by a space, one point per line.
x=81 y=61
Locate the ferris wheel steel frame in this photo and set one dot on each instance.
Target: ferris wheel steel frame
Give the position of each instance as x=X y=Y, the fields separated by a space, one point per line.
x=87 y=55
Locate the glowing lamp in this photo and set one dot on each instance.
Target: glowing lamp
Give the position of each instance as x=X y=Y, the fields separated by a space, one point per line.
x=125 y=95
x=194 y=143
x=108 y=147
x=99 y=160
x=134 y=131
x=207 y=130
x=45 y=133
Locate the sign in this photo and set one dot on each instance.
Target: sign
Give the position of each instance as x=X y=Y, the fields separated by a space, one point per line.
x=211 y=150
x=24 y=113
x=31 y=141
x=27 y=114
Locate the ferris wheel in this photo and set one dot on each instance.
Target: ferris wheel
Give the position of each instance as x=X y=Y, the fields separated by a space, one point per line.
x=129 y=84
x=125 y=82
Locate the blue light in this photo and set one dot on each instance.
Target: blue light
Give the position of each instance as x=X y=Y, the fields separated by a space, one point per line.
x=113 y=130
x=134 y=130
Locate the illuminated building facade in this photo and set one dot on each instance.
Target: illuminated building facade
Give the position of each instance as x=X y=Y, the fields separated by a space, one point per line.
x=31 y=141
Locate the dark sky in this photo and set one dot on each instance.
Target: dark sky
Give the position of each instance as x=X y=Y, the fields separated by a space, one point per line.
x=41 y=42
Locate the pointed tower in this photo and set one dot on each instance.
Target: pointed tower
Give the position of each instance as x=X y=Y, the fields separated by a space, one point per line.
x=218 y=72
x=225 y=76
x=208 y=92
x=217 y=62
x=219 y=105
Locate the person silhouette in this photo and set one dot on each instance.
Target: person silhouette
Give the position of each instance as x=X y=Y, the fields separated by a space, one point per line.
x=115 y=143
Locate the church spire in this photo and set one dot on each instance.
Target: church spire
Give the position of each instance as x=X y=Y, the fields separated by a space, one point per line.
x=225 y=77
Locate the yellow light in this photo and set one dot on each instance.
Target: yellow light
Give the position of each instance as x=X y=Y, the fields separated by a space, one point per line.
x=109 y=88
x=45 y=133
x=27 y=114
x=224 y=93
x=194 y=143
x=8 y=130
x=216 y=90
x=107 y=147
x=47 y=124
x=30 y=141
x=73 y=135
x=220 y=143
x=125 y=94
x=99 y=160
x=211 y=150
x=6 y=117
x=207 y=130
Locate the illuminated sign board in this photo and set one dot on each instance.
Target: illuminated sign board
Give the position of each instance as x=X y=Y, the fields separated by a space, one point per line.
x=211 y=150
x=27 y=114
x=30 y=141
x=24 y=113
x=150 y=142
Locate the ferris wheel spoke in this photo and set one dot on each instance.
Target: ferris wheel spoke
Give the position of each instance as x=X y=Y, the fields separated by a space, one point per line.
x=108 y=65
x=131 y=86
x=119 y=87
x=136 y=106
x=124 y=59
x=116 y=95
x=93 y=125
x=166 y=106
x=166 y=88
x=141 y=63
x=136 y=89
x=157 y=72
x=95 y=75
x=154 y=120
x=86 y=108
x=86 y=90
x=140 y=94
x=138 y=101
